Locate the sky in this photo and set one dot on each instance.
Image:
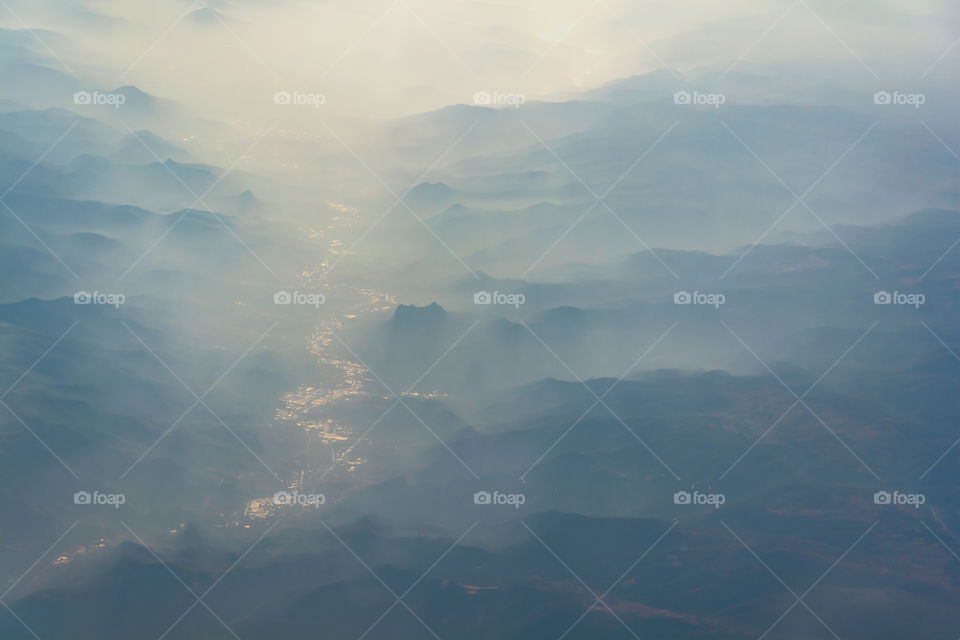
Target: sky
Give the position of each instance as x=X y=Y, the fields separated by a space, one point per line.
x=375 y=59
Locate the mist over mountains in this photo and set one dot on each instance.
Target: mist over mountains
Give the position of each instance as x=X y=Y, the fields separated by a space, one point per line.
x=479 y=322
